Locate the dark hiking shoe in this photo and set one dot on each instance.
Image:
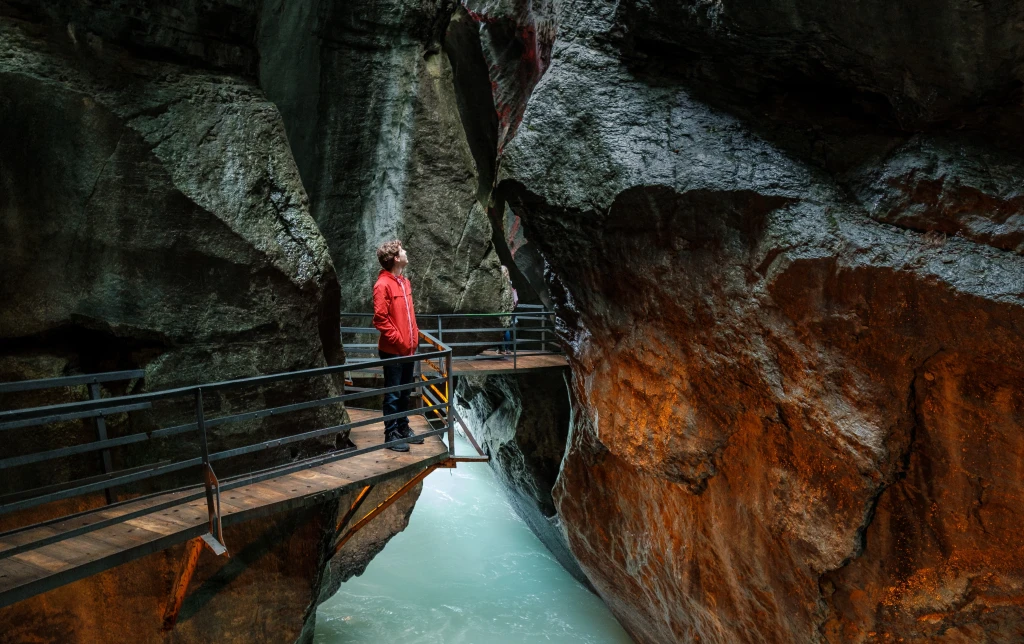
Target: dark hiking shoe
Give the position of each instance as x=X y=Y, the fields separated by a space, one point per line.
x=393 y=436
x=406 y=432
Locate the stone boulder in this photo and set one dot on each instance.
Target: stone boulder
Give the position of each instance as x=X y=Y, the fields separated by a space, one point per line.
x=153 y=218
x=792 y=418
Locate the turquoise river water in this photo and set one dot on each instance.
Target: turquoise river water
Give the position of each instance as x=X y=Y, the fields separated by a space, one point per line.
x=467 y=570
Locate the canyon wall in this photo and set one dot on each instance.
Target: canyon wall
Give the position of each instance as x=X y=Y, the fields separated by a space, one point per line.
x=783 y=242
x=522 y=421
x=152 y=217
x=367 y=94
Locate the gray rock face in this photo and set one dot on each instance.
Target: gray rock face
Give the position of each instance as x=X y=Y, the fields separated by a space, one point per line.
x=215 y=34
x=914 y=62
x=369 y=101
x=952 y=187
x=155 y=210
x=776 y=436
x=522 y=421
x=152 y=216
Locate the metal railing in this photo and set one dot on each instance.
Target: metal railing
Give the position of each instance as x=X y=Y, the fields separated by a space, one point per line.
x=531 y=331
x=439 y=358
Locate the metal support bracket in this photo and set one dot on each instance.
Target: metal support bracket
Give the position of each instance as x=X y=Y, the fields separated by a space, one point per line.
x=365 y=492
x=188 y=568
x=213 y=506
x=384 y=505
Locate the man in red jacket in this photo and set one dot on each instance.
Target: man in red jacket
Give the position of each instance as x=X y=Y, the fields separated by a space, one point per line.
x=394 y=317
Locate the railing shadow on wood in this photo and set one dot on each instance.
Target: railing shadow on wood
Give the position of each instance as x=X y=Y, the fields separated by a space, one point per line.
x=202 y=462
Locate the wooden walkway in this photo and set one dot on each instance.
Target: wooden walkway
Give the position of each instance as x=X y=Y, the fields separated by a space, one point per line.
x=489 y=362
x=34 y=571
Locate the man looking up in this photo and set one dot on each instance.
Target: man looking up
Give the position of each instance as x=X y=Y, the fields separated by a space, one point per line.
x=394 y=317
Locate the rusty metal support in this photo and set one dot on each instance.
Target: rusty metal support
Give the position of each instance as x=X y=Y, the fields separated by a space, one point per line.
x=209 y=478
x=188 y=568
x=468 y=433
x=449 y=390
x=365 y=492
x=384 y=505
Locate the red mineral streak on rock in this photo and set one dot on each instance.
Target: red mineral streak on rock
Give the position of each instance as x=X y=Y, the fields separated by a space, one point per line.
x=520 y=38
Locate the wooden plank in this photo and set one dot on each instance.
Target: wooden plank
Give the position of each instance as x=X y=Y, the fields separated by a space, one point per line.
x=40 y=559
x=79 y=550
x=332 y=478
x=265 y=490
x=121 y=535
x=27 y=536
x=15 y=573
x=234 y=501
x=40 y=532
x=495 y=363
x=163 y=525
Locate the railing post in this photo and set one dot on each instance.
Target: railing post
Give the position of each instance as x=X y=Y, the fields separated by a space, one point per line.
x=515 y=343
x=449 y=391
x=209 y=478
x=201 y=426
x=101 y=434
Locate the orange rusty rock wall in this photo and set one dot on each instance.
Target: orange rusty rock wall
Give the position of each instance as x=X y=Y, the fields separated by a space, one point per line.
x=794 y=446
x=260 y=594
x=792 y=295
x=833 y=455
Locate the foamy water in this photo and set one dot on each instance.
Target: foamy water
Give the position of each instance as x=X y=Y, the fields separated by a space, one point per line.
x=466 y=570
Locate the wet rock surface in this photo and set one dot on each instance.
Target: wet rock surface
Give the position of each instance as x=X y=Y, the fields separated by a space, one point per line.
x=153 y=218
x=522 y=421
x=783 y=240
x=369 y=101
x=952 y=187
x=914 y=63
x=782 y=430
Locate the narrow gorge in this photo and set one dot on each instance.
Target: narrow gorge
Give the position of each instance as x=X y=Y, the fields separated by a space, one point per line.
x=783 y=241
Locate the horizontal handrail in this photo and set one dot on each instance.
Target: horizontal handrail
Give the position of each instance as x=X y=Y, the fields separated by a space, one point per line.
x=94 y=413
x=70 y=381
x=165 y=394
x=94 y=446
x=527 y=333
x=536 y=315
x=97 y=408
x=371 y=331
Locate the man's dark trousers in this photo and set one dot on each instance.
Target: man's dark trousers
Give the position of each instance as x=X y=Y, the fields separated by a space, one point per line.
x=396 y=401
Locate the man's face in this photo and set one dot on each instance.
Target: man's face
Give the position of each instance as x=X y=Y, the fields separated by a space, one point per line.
x=402 y=260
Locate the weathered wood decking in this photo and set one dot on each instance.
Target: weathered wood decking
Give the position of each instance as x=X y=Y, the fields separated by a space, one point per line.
x=42 y=568
x=490 y=362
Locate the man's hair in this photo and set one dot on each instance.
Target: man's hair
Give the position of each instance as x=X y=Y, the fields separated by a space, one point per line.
x=387 y=252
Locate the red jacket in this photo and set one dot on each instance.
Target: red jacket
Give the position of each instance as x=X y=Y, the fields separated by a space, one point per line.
x=393 y=315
